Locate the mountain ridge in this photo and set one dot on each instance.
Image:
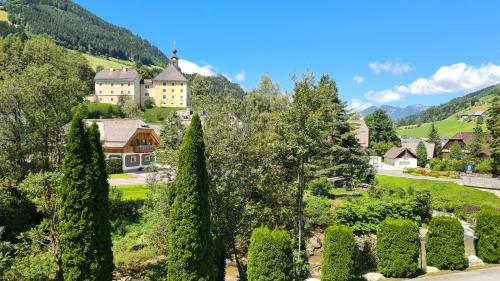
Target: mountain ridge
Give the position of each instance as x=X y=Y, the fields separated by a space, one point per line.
x=396 y=112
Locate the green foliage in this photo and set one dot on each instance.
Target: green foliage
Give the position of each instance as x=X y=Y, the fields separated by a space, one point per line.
x=172 y=131
x=6 y=253
x=16 y=210
x=488 y=230
x=320 y=187
x=99 y=179
x=39 y=84
x=485 y=166
x=149 y=103
x=190 y=247
x=380 y=148
x=365 y=215
x=76 y=28
x=435 y=139
x=493 y=124
x=131 y=110
x=421 y=154
x=338 y=254
x=95 y=110
x=398 y=247
x=443 y=111
x=445 y=243
x=366 y=255
x=318 y=213
x=456 y=152
x=381 y=128
x=270 y=256
x=114 y=166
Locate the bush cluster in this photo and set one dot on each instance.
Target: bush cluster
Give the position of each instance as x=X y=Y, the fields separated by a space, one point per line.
x=318 y=213
x=488 y=231
x=338 y=254
x=437 y=164
x=365 y=218
x=270 y=256
x=320 y=187
x=398 y=247
x=114 y=166
x=445 y=243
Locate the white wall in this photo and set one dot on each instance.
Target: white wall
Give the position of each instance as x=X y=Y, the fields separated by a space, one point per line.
x=406 y=163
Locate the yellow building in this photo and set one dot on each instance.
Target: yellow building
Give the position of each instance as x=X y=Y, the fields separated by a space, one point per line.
x=168 y=89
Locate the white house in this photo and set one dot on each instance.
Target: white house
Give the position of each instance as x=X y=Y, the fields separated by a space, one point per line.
x=401 y=157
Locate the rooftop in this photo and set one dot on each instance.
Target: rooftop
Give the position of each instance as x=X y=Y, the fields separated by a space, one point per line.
x=124 y=74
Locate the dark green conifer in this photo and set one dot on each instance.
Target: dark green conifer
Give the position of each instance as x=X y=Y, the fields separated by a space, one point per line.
x=76 y=218
x=99 y=179
x=190 y=248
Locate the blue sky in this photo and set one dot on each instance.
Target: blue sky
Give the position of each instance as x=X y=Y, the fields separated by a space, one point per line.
x=379 y=52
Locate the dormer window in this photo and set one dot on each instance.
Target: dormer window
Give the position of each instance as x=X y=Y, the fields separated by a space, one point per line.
x=164 y=83
x=112 y=84
x=122 y=84
x=173 y=84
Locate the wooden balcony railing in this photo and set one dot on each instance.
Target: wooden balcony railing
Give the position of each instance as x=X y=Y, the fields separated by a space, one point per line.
x=144 y=148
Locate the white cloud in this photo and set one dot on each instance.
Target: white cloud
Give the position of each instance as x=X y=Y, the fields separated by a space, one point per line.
x=359 y=105
x=454 y=78
x=395 y=68
x=240 y=76
x=191 y=67
x=358 y=79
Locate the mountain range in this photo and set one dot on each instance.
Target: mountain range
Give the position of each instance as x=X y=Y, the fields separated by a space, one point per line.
x=397 y=112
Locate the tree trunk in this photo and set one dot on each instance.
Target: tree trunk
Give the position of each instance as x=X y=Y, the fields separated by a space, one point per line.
x=300 y=203
x=241 y=270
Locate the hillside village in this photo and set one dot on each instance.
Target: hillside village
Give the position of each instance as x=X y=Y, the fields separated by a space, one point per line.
x=116 y=164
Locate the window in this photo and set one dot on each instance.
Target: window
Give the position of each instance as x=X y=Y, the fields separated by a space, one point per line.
x=129 y=84
x=100 y=84
x=173 y=84
x=164 y=96
x=146 y=94
x=111 y=99
x=172 y=97
x=129 y=92
x=147 y=86
x=122 y=84
x=182 y=90
x=164 y=83
x=100 y=92
x=147 y=158
x=112 y=92
x=182 y=84
x=171 y=103
x=133 y=159
x=122 y=92
x=164 y=90
x=100 y=99
x=172 y=90
x=182 y=103
x=112 y=84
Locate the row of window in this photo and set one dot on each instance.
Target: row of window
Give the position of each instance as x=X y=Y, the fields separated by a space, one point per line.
x=112 y=84
x=112 y=92
x=165 y=90
x=147 y=86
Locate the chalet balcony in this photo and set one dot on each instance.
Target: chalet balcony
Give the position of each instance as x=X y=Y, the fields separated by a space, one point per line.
x=146 y=148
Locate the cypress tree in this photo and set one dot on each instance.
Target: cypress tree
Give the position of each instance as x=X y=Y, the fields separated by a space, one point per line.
x=99 y=178
x=76 y=219
x=270 y=256
x=445 y=243
x=190 y=254
x=339 y=254
x=421 y=154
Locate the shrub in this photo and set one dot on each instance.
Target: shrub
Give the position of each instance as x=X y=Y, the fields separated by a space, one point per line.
x=114 y=166
x=338 y=254
x=319 y=187
x=318 y=212
x=365 y=218
x=485 y=166
x=445 y=243
x=398 y=248
x=436 y=164
x=149 y=103
x=270 y=256
x=488 y=230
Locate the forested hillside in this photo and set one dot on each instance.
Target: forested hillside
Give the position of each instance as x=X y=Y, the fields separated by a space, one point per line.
x=75 y=28
x=445 y=110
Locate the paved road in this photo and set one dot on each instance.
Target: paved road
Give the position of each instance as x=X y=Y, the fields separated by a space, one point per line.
x=487 y=274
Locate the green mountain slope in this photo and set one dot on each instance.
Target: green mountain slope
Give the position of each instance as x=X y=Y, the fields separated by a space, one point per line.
x=451 y=125
x=445 y=110
x=76 y=28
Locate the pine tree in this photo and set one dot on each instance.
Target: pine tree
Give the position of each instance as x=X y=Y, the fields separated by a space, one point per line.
x=435 y=139
x=456 y=152
x=76 y=218
x=421 y=154
x=98 y=176
x=476 y=147
x=493 y=123
x=189 y=246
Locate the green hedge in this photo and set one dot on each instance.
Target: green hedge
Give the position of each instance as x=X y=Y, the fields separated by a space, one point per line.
x=95 y=110
x=445 y=243
x=318 y=213
x=488 y=231
x=398 y=247
x=320 y=187
x=114 y=166
x=270 y=256
x=338 y=254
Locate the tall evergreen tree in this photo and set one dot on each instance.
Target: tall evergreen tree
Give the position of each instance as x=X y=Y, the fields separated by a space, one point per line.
x=382 y=133
x=456 y=152
x=475 y=149
x=435 y=139
x=421 y=154
x=493 y=123
x=99 y=178
x=190 y=253
x=76 y=217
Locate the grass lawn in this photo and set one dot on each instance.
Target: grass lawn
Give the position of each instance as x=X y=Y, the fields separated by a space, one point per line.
x=133 y=192
x=446 y=196
x=158 y=114
x=446 y=128
x=121 y=176
x=94 y=61
x=4 y=16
